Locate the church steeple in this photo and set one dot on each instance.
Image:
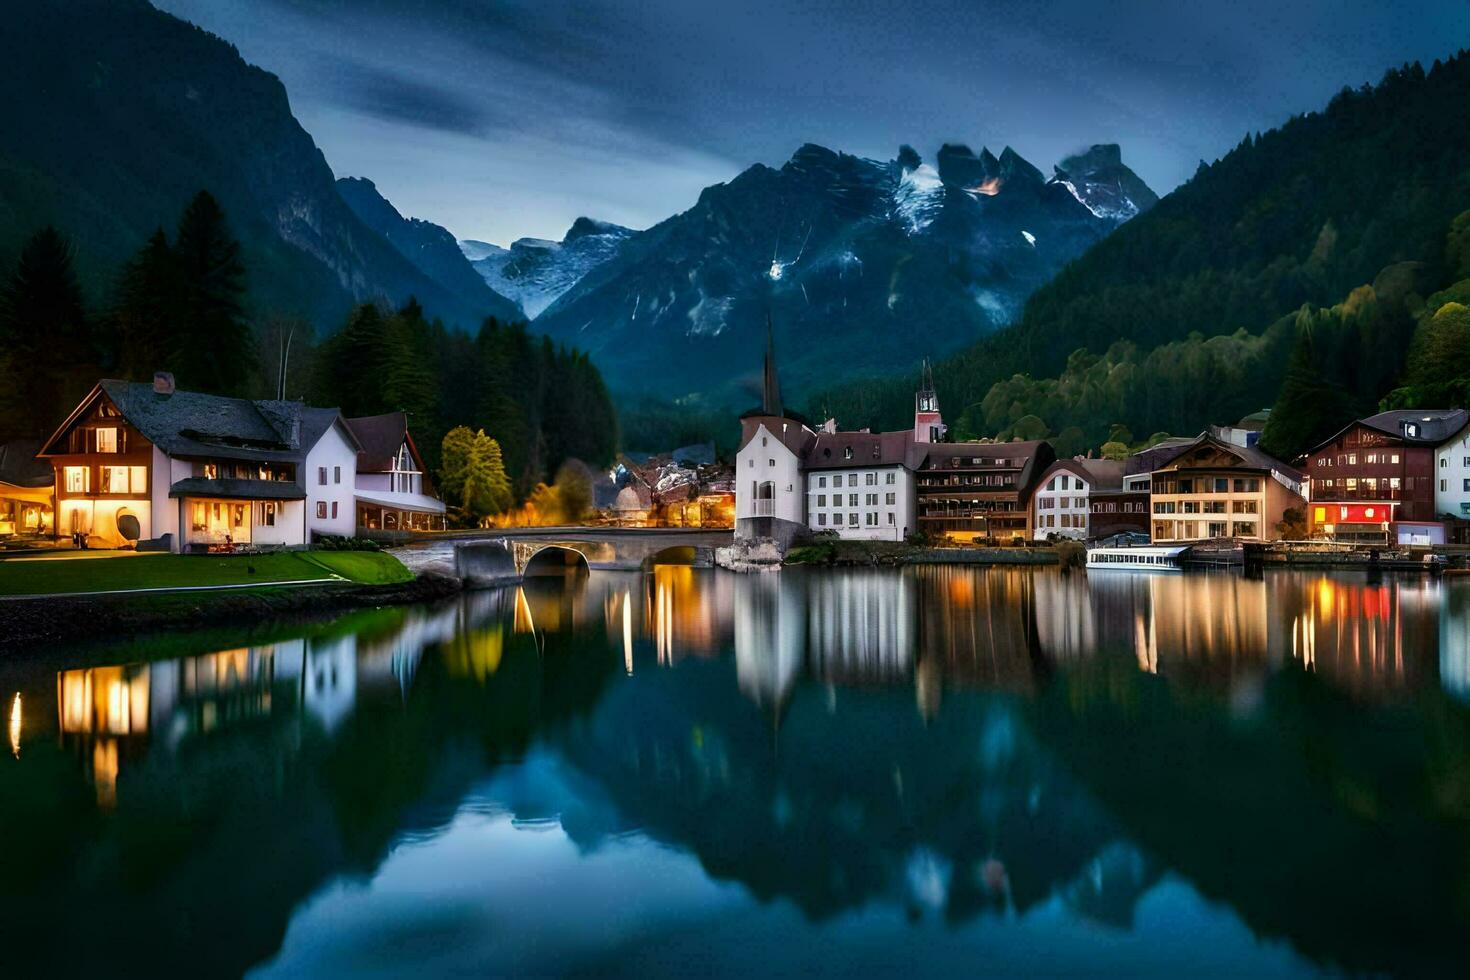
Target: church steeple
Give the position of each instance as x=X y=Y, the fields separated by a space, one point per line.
x=928 y=424
x=771 y=382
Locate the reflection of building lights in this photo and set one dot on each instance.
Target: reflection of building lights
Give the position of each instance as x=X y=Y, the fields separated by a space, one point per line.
x=1325 y=597
x=104 y=771
x=15 y=726
x=628 y=631
x=523 y=621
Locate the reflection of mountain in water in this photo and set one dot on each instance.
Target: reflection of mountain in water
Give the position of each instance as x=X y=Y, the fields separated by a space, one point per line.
x=946 y=741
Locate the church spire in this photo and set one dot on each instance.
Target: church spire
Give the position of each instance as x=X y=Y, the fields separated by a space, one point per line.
x=771 y=382
x=928 y=423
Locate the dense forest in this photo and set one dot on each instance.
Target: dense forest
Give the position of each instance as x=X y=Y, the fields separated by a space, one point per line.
x=1191 y=295
x=182 y=304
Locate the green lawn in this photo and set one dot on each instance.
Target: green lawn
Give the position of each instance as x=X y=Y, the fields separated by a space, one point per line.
x=95 y=574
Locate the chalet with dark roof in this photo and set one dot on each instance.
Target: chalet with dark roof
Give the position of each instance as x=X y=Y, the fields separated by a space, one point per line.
x=393 y=492
x=148 y=465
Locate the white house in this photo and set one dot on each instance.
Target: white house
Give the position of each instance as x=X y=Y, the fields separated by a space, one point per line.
x=189 y=471
x=861 y=484
x=393 y=491
x=1452 y=476
x=1062 y=501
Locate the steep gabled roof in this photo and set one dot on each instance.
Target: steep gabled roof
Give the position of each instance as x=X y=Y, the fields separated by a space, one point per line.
x=191 y=423
x=380 y=437
x=829 y=450
x=1100 y=474
x=1250 y=457
x=1436 y=425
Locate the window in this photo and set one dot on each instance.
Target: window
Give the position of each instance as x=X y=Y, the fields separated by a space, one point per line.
x=1394 y=458
x=336 y=474
x=892 y=498
x=107 y=440
x=852 y=520
x=1466 y=487
x=891 y=520
x=822 y=520
x=872 y=480
x=78 y=479
x=852 y=500
x=1244 y=507
x=1352 y=459
x=763 y=440
x=847 y=453
x=1393 y=483
x=1351 y=482
x=321 y=476
x=124 y=479
x=211 y=471
x=871 y=500
x=770 y=462
x=334 y=509
x=200 y=518
x=821 y=500
x=872 y=520
x=852 y=479
x=1222 y=485
x=1443 y=462
x=750 y=463
x=321 y=507
x=892 y=478
x=1245 y=529
x=268 y=513
x=1443 y=485
x=821 y=481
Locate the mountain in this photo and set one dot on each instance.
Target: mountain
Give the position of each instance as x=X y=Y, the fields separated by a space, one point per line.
x=128 y=112
x=534 y=271
x=1300 y=216
x=431 y=249
x=861 y=264
x=1099 y=180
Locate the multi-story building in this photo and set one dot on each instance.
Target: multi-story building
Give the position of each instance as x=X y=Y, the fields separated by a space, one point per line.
x=972 y=491
x=1375 y=481
x=861 y=484
x=392 y=490
x=1084 y=498
x=139 y=462
x=1215 y=489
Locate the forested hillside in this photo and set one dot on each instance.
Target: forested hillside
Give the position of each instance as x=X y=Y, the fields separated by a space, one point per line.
x=1299 y=216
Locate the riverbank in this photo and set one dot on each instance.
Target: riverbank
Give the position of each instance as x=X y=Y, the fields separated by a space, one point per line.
x=847 y=553
x=42 y=620
x=69 y=574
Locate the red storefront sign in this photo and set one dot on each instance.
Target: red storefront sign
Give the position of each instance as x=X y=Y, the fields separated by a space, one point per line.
x=1351 y=513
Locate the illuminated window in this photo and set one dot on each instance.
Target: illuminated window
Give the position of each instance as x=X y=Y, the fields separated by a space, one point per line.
x=268 y=513
x=114 y=479
x=211 y=471
x=78 y=479
x=321 y=508
x=107 y=440
x=200 y=516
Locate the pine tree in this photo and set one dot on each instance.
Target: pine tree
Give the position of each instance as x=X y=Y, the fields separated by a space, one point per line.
x=215 y=352
x=50 y=353
x=148 y=314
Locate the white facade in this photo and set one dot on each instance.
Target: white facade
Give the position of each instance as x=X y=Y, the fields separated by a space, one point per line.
x=1060 y=506
x=874 y=503
x=1452 y=476
x=330 y=479
x=768 y=478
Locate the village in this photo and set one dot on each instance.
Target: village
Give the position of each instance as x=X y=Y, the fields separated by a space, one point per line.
x=147 y=468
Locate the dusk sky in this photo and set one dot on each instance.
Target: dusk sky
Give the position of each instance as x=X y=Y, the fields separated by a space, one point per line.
x=505 y=119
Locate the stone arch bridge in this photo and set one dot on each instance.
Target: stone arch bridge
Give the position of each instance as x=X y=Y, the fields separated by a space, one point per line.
x=515 y=553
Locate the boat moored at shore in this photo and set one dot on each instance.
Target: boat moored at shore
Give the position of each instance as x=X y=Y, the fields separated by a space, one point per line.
x=1150 y=559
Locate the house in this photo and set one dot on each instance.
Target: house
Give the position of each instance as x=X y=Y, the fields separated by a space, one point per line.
x=393 y=491
x=1376 y=480
x=1084 y=499
x=1452 y=489
x=138 y=462
x=27 y=491
x=1211 y=488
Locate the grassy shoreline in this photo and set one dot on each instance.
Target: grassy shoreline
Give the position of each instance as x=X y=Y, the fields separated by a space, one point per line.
x=118 y=573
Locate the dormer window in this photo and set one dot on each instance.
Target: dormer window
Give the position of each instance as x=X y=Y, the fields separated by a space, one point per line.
x=847 y=453
x=1411 y=429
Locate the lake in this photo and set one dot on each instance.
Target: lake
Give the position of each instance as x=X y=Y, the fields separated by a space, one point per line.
x=929 y=771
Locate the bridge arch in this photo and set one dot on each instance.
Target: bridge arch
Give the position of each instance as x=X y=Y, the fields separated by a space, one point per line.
x=556 y=559
x=682 y=554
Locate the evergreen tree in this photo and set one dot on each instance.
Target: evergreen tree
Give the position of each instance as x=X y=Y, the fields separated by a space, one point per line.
x=46 y=340
x=215 y=345
x=148 y=316
x=354 y=364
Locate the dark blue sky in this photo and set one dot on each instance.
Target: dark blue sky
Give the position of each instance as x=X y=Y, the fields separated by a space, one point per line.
x=510 y=118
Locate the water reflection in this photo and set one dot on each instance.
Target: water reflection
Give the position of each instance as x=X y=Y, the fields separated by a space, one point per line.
x=1025 y=757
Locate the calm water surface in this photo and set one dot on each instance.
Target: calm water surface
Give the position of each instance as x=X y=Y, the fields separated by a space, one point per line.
x=938 y=771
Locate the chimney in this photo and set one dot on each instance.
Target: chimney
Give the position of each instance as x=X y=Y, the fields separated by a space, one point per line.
x=163 y=383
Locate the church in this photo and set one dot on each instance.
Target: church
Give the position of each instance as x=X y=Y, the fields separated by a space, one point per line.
x=793 y=479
